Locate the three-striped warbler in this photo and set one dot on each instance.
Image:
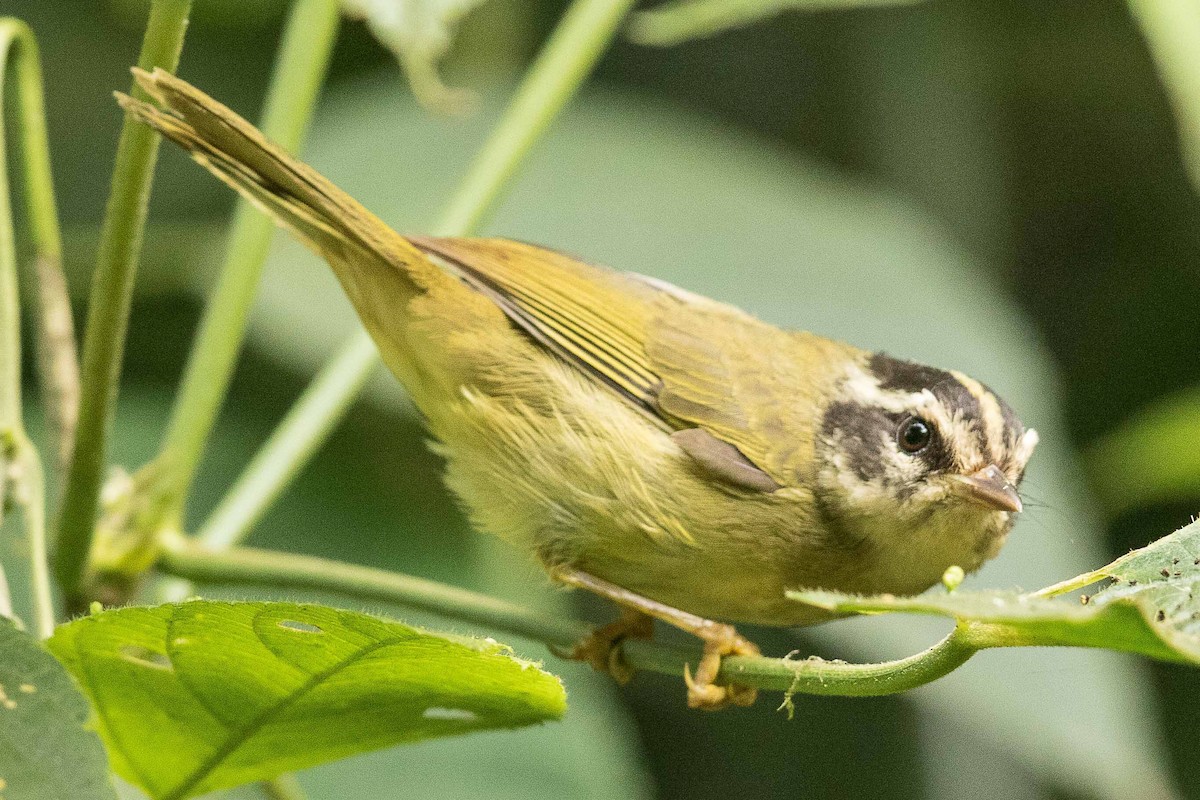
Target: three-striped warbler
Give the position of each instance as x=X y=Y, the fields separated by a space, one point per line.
x=666 y=451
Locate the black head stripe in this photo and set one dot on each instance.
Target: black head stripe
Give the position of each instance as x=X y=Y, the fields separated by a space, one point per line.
x=957 y=399
x=862 y=432
x=857 y=429
x=905 y=376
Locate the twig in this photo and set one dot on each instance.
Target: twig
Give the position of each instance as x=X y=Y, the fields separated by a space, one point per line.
x=58 y=360
x=244 y=566
x=58 y=366
x=21 y=476
x=111 y=297
x=299 y=72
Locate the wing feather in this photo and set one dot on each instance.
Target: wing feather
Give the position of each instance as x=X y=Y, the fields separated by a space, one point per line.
x=578 y=311
x=686 y=361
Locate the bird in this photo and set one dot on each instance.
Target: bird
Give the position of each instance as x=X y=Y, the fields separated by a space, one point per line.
x=661 y=449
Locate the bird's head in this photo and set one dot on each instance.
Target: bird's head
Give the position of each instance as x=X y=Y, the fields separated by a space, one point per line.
x=919 y=468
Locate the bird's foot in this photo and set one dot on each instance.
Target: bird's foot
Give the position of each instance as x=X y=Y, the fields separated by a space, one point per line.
x=703 y=693
x=602 y=647
x=602 y=650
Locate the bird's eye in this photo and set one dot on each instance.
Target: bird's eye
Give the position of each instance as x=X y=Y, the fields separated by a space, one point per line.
x=914 y=435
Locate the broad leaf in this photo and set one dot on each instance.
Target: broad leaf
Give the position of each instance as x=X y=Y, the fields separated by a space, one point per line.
x=205 y=695
x=46 y=749
x=1150 y=606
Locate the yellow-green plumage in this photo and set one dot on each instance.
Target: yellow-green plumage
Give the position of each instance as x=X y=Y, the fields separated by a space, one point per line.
x=670 y=444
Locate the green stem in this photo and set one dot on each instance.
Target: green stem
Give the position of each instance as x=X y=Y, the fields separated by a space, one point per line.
x=569 y=56
x=32 y=498
x=31 y=116
x=111 y=297
x=10 y=318
x=1172 y=30
x=1072 y=584
x=58 y=367
x=299 y=72
x=247 y=566
x=58 y=364
x=23 y=481
x=566 y=60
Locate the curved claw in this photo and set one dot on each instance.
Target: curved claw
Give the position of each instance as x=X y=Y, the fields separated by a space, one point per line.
x=602 y=647
x=706 y=695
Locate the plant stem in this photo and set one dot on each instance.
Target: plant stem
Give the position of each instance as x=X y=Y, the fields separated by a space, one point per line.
x=247 y=566
x=1172 y=30
x=31 y=496
x=58 y=367
x=10 y=303
x=566 y=60
x=57 y=359
x=1072 y=584
x=299 y=72
x=569 y=56
x=23 y=480
x=111 y=297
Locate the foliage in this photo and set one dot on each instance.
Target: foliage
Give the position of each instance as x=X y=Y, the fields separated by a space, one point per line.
x=1151 y=606
x=204 y=695
x=1127 y=463
x=48 y=751
x=225 y=687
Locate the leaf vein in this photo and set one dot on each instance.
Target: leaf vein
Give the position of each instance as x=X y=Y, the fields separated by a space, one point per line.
x=239 y=737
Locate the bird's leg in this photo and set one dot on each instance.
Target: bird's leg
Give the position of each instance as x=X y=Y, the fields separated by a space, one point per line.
x=602 y=647
x=719 y=640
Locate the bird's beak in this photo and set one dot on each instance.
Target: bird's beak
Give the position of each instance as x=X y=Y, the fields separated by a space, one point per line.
x=989 y=487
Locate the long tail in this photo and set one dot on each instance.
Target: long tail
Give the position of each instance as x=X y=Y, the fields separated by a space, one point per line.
x=325 y=218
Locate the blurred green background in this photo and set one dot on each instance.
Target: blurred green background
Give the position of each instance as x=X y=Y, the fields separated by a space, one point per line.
x=992 y=186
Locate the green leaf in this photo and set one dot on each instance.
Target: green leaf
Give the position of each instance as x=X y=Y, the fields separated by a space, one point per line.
x=1151 y=605
x=205 y=695
x=679 y=21
x=46 y=749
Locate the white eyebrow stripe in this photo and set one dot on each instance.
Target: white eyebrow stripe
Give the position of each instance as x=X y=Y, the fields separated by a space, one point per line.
x=863 y=387
x=989 y=412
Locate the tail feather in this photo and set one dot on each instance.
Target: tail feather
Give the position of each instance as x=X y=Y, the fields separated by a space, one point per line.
x=326 y=218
